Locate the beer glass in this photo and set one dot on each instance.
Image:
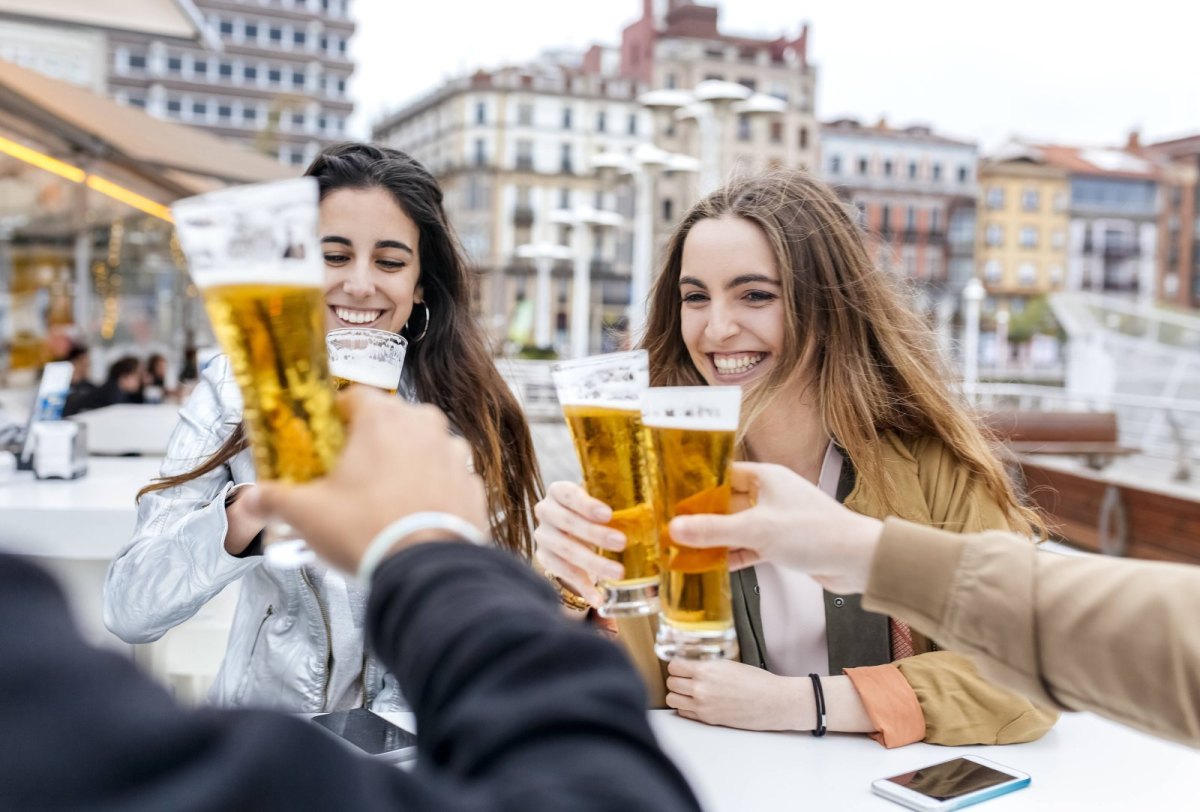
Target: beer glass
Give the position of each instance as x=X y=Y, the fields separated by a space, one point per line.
x=253 y=253
x=372 y=358
x=601 y=401
x=692 y=431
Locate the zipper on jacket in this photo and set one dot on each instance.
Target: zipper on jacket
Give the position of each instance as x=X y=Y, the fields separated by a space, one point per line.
x=362 y=678
x=328 y=639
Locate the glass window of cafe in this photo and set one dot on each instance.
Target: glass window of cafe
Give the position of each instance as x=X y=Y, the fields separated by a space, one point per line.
x=60 y=213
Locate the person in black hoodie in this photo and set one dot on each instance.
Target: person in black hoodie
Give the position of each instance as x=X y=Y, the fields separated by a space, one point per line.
x=516 y=708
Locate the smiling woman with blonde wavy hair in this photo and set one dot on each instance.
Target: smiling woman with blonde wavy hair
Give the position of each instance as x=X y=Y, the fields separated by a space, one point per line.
x=767 y=284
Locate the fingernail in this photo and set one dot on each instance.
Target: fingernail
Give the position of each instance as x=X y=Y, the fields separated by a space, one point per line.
x=602 y=513
x=616 y=539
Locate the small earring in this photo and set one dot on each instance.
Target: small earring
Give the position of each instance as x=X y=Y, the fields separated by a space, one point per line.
x=425 y=329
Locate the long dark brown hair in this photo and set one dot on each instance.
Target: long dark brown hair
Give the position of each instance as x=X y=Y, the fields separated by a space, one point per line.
x=447 y=357
x=873 y=361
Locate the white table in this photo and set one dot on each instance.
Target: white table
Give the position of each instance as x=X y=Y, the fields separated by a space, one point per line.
x=75 y=527
x=130 y=428
x=1084 y=763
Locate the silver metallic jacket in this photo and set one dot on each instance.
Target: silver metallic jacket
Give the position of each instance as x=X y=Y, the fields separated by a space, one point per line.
x=288 y=639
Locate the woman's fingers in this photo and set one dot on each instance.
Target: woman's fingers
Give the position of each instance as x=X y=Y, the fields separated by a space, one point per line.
x=681 y=703
x=579 y=555
x=576 y=498
x=679 y=685
x=571 y=576
x=566 y=519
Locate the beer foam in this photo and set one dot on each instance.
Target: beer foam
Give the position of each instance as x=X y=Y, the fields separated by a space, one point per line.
x=366 y=371
x=697 y=408
x=619 y=405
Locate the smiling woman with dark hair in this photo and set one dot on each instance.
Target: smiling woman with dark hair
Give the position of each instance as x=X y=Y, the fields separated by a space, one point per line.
x=392 y=263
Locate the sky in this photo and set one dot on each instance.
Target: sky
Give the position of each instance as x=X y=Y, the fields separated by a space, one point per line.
x=1064 y=71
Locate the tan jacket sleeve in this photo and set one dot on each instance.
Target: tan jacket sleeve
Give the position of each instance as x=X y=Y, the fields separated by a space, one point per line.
x=1112 y=636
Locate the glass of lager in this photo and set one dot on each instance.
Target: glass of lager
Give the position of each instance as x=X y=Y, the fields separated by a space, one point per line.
x=601 y=401
x=692 y=431
x=253 y=253
x=372 y=358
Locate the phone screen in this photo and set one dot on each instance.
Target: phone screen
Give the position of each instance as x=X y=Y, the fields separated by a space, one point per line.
x=369 y=731
x=951 y=779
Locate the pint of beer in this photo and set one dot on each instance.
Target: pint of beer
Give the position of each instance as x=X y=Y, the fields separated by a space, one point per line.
x=601 y=400
x=253 y=253
x=692 y=431
x=372 y=358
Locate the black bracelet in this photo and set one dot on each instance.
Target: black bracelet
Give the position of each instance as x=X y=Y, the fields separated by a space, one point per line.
x=819 y=696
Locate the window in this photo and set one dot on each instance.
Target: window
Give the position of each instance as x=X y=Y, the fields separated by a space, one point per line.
x=298 y=120
x=1027 y=274
x=341 y=46
x=138 y=101
x=601 y=122
x=935 y=221
x=250 y=113
x=524 y=154
x=250 y=72
x=964 y=174
x=887 y=168
x=225 y=69
x=174 y=64
x=835 y=165
x=749 y=84
x=251 y=31
x=937 y=172
x=299 y=38
x=274 y=76
x=137 y=61
x=297 y=79
x=200 y=67
x=668 y=213
x=341 y=86
x=885 y=218
x=525 y=115
x=993 y=272
x=226 y=26
x=275 y=33
x=480 y=113
x=199 y=109
x=322 y=123
x=776 y=132
x=566 y=118
x=1029 y=237
x=297 y=158
x=743 y=125
x=671 y=81
x=565 y=159
x=994 y=235
x=174 y=106
x=224 y=111
x=633 y=124
x=862 y=166
x=803 y=138
x=480 y=152
x=912 y=170
x=564 y=198
x=1030 y=200
x=995 y=197
x=910 y=219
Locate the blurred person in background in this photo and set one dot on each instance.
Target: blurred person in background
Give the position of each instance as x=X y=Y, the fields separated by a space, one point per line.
x=82 y=389
x=516 y=708
x=392 y=262
x=767 y=284
x=123 y=385
x=154 y=380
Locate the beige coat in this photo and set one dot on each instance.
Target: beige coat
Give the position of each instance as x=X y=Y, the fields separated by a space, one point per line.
x=1112 y=636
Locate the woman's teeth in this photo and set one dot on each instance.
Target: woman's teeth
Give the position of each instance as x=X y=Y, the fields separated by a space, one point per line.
x=736 y=364
x=357 y=316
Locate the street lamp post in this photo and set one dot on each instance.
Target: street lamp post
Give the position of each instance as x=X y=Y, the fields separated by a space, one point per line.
x=973 y=295
x=543 y=256
x=582 y=221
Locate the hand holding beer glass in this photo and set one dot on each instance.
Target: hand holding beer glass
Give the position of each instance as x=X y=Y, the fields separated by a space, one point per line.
x=253 y=253
x=601 y=401
x=372 y=358
x=692 y=431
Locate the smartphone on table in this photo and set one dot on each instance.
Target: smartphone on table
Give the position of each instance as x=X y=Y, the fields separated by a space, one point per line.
x=370 y=733
x=952 y=784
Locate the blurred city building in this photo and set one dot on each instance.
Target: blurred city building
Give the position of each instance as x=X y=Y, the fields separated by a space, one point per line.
x=1179 y=219
x=273 y=76
x=1024 y=215
x=512 y=147
x=1112 y=240
x=913 y=190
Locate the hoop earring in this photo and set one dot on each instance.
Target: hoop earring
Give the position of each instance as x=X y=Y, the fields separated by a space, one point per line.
x=424 y=329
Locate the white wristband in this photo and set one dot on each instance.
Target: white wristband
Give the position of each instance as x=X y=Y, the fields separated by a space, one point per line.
x=415 y=523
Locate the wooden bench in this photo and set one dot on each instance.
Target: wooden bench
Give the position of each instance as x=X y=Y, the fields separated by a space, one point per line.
x=1091 y=435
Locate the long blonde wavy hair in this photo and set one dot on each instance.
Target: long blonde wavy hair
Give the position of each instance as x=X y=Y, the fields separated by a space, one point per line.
x=872 y=361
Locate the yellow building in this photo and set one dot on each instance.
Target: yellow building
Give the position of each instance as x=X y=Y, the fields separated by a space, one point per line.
x=1023 y=213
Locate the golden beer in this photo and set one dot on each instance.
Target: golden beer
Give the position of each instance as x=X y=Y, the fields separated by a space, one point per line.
x=274 y=336
x=694 y=476
x=613 y=452
x=340 y=383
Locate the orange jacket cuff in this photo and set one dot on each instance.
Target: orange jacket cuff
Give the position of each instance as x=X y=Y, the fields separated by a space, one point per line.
x=891 y=704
